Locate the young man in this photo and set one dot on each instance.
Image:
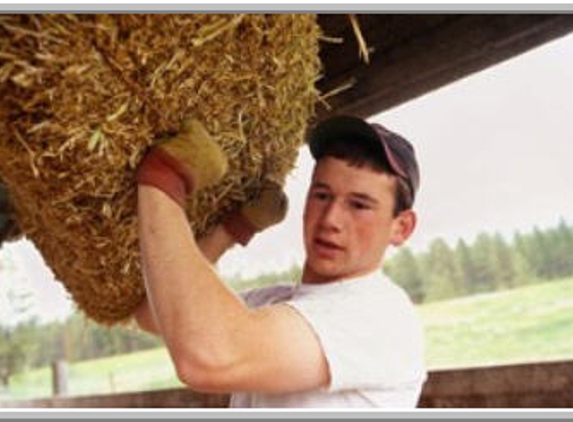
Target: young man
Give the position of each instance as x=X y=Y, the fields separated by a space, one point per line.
x=346 y=336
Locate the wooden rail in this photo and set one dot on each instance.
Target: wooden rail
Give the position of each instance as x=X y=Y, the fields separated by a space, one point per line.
x=537 y=385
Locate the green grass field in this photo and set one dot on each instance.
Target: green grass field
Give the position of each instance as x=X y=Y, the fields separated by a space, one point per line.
x=528 y=324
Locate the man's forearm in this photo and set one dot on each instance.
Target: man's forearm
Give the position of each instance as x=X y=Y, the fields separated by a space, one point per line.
x=196 y=313
x=213 y=245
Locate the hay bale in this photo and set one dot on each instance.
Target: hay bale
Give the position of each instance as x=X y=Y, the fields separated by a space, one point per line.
x=83 y=96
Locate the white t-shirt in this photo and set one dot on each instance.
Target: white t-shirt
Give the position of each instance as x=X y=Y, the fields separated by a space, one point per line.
x=370 y=335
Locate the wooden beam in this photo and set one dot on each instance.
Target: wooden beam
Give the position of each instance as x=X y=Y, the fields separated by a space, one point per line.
x=537 y=385
x=431 y=53
x=169 y=398
x=529 y=385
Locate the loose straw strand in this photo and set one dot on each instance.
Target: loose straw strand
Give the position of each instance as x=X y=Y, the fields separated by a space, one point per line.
x=363 y=52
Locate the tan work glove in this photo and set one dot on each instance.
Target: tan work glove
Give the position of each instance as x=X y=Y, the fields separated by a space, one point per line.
x=187 y=162
x=268 y=209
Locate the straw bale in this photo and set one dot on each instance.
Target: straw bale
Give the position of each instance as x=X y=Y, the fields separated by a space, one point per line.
x=84 y=96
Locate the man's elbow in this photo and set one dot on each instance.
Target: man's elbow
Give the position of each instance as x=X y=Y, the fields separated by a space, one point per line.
x=204 y=375
x=193 y=376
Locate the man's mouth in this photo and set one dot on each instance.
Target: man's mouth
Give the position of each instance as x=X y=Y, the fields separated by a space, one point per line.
x=327 y=245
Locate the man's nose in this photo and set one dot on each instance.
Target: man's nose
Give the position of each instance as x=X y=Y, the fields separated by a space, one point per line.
x=332 y=217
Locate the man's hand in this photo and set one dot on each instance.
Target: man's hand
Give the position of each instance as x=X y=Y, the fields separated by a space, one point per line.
x=187 y=162
x=268 y=209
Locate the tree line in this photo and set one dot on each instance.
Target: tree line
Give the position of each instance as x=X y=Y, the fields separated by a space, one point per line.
x=30 y=344
x=489 y=263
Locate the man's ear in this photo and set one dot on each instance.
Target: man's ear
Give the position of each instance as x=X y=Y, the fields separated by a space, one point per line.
x=402 y=227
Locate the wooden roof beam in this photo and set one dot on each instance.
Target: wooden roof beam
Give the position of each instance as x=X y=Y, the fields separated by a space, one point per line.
x=438 y=55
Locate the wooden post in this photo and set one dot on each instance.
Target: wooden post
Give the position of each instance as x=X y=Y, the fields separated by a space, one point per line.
x=59 y=378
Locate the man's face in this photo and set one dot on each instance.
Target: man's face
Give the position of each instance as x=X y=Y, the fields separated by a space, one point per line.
x=348 y=221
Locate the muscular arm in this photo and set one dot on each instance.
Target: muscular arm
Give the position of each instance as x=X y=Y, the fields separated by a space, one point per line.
x=212 y=246
x=217 y=344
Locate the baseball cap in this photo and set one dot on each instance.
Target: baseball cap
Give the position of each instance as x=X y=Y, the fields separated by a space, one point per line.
x=397 y=151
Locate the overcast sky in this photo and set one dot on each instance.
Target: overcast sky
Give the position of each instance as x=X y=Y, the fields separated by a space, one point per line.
x=495 y=151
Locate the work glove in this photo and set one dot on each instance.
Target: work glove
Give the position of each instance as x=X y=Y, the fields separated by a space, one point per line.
x=267 y=209
x=182 y=164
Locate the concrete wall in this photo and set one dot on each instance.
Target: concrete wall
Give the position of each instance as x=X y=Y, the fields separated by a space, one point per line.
x=540 y=385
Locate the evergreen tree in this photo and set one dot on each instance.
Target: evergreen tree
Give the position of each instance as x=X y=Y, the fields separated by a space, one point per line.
x=403 y=269
x=17 y=341
x=443 y=272
x=563 y=246
x=467 y=267
x=506 y=272
x=524 y=258
x=16 y=344
x=484 y=260
x=542 y=260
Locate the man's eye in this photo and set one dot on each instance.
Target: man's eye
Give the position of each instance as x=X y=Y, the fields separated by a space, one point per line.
x=321 y=195
x=359 y=205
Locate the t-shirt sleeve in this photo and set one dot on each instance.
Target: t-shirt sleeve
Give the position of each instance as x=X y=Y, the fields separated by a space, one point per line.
x=255 y=298
x=367 y=342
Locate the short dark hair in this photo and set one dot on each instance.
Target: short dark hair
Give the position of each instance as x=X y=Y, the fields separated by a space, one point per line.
x=362 y=154
x=369 y=144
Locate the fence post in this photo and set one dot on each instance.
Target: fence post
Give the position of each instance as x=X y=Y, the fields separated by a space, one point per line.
x=59 y=378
